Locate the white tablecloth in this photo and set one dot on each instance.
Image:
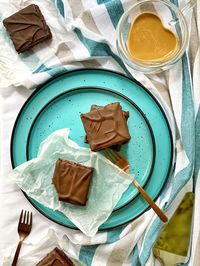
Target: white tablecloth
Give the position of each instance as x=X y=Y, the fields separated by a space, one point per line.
x=12 y=200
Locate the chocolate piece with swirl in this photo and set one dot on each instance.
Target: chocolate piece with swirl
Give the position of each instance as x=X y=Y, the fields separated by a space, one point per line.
x=105 y=127
x=72 y=181
x=126 y=115
x=56 y=258
x=27 y=27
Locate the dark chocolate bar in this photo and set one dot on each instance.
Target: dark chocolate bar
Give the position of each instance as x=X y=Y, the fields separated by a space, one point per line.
x=56 y=258
x=105 y=127
x=72 y=181
x=27 y=27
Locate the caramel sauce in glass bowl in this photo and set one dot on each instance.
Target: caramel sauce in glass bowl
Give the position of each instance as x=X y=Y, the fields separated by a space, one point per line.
x=151 y=36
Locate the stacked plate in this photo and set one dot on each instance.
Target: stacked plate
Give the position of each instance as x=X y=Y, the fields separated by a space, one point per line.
x=58 y=103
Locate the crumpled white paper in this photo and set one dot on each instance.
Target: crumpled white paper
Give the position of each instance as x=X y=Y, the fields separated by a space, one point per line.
x=107 y=186
x=31 y=254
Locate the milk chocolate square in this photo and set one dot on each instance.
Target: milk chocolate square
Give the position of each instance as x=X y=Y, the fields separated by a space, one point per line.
x=27 y=27
x=56 y=258
x=72 y=181
x=126 y=115
x=105 y=127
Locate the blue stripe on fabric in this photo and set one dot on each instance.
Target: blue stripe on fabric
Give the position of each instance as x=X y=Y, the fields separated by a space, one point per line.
x=197 y=147
x=114 y=234
x=149 y=240
x=51 y=71
x=86 y=254
x=57 y=70
x=175 y=2
x=187 y=131
x=99 y=49
x=41 y=68
x=115 y=10
x=99 y=2
x=188 y=120
x=60 y=6
x=134 y=257
x=177 y=26
x=181 y=179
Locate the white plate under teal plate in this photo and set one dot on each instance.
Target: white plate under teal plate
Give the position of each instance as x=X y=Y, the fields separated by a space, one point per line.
x=58 y=104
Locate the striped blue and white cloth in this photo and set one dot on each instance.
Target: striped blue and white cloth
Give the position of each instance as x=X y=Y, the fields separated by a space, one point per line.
x=84 y=35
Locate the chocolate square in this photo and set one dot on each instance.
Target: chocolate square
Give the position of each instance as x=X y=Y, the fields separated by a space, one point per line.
x=56 y=258
x=27 y=27
x=105 y=127
x=72 y=181
x=126 y=115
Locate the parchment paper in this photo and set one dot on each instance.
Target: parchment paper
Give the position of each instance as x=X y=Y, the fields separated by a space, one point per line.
x=108 y=182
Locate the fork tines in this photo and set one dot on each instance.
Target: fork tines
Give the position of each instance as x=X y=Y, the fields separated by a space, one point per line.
x=114 y=155
x=25 y=218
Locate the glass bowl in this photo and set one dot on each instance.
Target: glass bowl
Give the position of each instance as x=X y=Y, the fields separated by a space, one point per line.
x=172 y=18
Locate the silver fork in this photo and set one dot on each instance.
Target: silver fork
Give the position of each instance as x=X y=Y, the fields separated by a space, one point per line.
x=24 y=229
x=121 y=162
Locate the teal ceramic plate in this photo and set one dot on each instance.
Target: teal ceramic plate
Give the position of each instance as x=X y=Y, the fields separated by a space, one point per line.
x=64 y=111
x=57 y=104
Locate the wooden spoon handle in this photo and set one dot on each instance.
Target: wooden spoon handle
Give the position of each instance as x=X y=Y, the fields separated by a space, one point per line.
x=153 y=205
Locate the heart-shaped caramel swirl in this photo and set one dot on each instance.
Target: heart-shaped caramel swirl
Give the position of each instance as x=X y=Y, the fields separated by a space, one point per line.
x=149 y=40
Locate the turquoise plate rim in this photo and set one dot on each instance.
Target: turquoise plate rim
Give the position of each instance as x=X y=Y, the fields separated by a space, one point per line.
x=113 y=92
x=172 y=155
